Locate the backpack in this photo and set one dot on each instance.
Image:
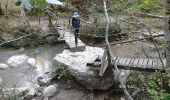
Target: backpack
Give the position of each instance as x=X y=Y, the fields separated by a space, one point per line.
x=76 y=22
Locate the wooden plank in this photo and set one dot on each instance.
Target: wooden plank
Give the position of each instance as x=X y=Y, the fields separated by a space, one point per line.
x=122 y=62
x=114 y=59
x=117 y=60
x=149 y=66
x=70 y=41
x=125 y=61
x=128 y=61
x=154 y=64
x=135 y=63
x=145 y=62
x=131 y=62
x=140 y=63
x=104 y=64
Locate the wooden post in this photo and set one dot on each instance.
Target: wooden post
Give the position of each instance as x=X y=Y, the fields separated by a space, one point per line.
x=167 y=30
x=104 y=64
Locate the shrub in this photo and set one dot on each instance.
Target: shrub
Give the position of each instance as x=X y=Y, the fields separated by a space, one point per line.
x=27 y=42
x=61 y=72
x=100 y=30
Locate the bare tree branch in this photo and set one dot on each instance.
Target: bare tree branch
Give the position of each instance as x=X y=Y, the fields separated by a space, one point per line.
x=24 y=15
x=110 y=54
x=140 y=14
x=154 y=41
x=129 y=41
x=16 y=39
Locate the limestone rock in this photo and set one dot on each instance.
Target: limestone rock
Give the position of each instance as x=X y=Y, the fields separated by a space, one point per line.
x=92 y=81
x=123 y=75
x=31 y=93
x=87 y=76
x=50 y=91
x=17 y=60
x=43 y=81
x=31 y=62
x=3 y=66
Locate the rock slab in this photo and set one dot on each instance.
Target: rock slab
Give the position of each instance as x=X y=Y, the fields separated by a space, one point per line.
x=87 y=76
x=17 y=60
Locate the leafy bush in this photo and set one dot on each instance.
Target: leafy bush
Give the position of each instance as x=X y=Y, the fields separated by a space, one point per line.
x=61 y=72
x=100 y=30
x=148 y=5
x=153 y=86
x=137 y=5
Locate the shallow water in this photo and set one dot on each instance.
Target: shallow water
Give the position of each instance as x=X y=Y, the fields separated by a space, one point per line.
x=20 y=76
x=15 y=77
x=44 y=56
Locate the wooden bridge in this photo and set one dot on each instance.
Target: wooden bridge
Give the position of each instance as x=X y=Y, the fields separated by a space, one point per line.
x=145 y=64
x=69 y=39
x=127 y=63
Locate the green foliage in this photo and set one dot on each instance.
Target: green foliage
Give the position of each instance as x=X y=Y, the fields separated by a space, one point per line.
x=8 y=96
x=148 y=5
x=153 y=85
x=100 y=30
x=61 y=72
x=137 y=5
x=39 y=6
x=119 y=5
x=12 y=97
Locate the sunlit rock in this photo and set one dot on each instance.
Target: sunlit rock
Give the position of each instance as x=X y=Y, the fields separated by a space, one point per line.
x=31 y=94
x=122 y=75
x=3 y=66
x=43 y=81
x=31 y=62
x=17 y=60
x=50 y=91
x=87 y=76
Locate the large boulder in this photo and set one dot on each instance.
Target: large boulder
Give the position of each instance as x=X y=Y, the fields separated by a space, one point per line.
x=87 y=76
x=3 y=66
x=17 y=60
x=31 y=62
x=50 y=91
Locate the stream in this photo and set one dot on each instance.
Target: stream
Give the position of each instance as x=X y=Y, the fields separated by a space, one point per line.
x=70 y=90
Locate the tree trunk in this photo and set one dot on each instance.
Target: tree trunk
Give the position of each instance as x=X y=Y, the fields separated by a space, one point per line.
x=1 y=11
x=167 y=30
x=110 y=55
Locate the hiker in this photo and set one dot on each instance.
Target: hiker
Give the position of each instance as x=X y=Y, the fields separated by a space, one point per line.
x=76 y=26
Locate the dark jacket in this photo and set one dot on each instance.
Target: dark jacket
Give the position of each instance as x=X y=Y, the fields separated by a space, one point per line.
x=75 y=22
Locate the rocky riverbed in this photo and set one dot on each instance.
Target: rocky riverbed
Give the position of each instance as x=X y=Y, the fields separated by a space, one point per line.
x=28 y=72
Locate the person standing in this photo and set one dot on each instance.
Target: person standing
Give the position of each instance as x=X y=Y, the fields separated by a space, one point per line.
x=76 y=26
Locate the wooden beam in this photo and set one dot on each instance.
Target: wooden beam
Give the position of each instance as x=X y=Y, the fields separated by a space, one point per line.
x=104 y=64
